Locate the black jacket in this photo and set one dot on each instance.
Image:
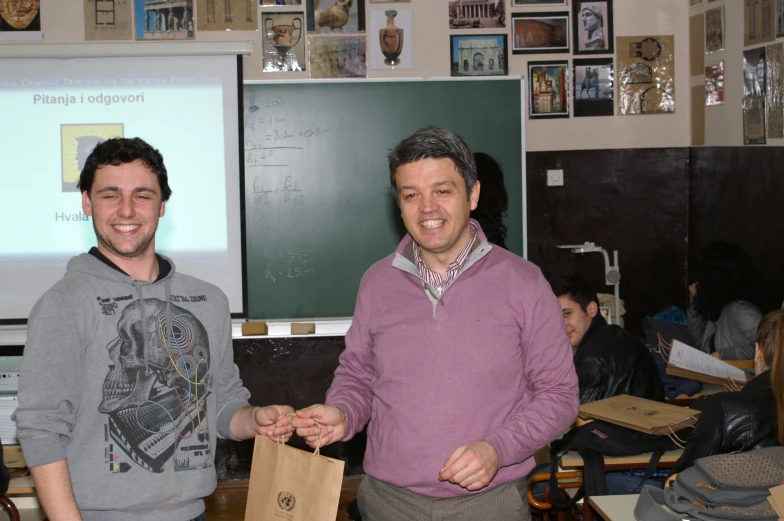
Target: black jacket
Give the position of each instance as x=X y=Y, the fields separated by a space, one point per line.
x=733 y=422
x=610 y=361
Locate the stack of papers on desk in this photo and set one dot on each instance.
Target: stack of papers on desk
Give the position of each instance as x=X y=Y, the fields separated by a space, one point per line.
x=688 y=362
x=8 y=405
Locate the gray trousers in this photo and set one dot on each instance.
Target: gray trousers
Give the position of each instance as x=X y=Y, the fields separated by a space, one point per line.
x=380 y=501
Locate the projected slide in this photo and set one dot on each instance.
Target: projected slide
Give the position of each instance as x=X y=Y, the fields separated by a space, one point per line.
x=57 y=111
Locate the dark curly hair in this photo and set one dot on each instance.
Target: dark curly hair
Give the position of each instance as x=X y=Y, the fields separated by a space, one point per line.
x=119 y=151
x=725 y=273
x=493 y=199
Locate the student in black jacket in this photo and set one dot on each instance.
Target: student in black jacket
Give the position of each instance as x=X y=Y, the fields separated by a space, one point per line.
x=609 y=360
x=744 y=420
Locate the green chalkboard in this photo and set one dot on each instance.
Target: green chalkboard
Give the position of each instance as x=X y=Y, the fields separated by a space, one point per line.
x=319 y=209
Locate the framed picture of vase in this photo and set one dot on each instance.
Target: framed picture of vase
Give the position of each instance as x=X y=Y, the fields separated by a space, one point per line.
x=479 y=55
x=538 y=33
x=548 y=89
x=282 y=42
x=336 y=16
x=391 y=39
x=593 y=26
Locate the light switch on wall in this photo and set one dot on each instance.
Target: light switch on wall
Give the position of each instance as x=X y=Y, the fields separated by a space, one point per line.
x=555 y=178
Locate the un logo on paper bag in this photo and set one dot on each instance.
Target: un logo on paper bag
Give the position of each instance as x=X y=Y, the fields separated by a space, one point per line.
x=286 y=501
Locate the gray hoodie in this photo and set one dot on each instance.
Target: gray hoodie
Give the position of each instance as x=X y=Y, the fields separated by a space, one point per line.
x=130 y=382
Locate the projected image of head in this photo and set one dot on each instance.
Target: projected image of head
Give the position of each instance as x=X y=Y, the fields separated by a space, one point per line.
x=77 y=143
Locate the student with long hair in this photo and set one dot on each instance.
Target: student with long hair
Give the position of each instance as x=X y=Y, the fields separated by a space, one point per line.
x=723 y=312
x=745 y=420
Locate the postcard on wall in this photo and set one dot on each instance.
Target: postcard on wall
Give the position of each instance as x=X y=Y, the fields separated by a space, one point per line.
x=20 y=20
x=646 y=74
x=486 y=14
x=593 y=87
x=282 y=42
x=108 y=20
x=759 y=21
x=478 y=55
x=548 y=89
x=391 y=39
x=540 y=32
x=779 y=18
x=593 y=26
x=754 y=120
x=754 y=72
x=714 y=30
x=714 y=84
x=337 y=56
x=695 y=3
x=279 y=3
x=227 y=15
x=336 y=16
x=774 y=94
x=154 y=22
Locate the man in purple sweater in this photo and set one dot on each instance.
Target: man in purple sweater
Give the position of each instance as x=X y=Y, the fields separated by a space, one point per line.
x=457 y=358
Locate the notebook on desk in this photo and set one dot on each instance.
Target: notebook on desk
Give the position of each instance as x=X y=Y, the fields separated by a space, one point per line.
x=688 y=362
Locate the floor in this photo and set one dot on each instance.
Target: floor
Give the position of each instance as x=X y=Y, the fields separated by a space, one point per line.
x=228 y=501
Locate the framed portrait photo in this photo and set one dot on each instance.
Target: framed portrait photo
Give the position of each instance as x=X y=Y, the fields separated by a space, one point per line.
x=548 y=89
x=593 y=26
x=538 y=33
x=478 y=55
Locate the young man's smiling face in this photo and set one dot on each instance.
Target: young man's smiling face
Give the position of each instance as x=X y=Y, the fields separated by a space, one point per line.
x=125 y=203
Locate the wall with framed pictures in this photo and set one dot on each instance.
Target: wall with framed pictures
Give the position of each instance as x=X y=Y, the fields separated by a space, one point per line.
x=442 y=38
x=742 y=62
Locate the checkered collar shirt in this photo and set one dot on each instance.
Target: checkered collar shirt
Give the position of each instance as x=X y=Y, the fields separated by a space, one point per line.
x=434 y=278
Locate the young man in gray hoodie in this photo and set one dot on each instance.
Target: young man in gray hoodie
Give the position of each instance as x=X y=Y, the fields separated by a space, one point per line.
x=128 y=374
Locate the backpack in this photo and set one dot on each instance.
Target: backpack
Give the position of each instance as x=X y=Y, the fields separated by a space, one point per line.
x=595 y=440
x=722 y=487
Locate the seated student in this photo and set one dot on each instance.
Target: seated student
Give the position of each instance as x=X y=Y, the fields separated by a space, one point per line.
x=723 y=314
x=744 y=420
x=609 y=360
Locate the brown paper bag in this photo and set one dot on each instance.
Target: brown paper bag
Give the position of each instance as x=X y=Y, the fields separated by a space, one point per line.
x=290 y=484
x=640 y=414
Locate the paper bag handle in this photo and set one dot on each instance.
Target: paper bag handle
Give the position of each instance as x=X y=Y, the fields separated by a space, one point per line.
x=318 y=444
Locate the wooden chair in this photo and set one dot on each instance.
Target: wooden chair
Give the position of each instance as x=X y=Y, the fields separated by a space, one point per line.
x=10 y=508
x=545 y=507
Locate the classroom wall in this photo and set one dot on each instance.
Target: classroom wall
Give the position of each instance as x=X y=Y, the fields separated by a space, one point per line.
x=723 y=124
x=63 y=21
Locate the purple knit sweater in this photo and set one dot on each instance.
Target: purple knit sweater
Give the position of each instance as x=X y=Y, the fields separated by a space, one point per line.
x=489 y=361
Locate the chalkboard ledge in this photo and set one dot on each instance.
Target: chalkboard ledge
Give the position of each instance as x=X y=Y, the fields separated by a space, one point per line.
x=282 y=328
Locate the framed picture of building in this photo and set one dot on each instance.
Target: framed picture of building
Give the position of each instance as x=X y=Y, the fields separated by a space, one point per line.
x=593 y=26
x=548 y=89
x=478 y=55
x=520 y=3
x=477 y=14
x=538 y=33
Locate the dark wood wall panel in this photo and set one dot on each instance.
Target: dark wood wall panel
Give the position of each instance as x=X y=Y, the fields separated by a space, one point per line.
x=290 y=371
x=631 y=200
x=736 y=194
